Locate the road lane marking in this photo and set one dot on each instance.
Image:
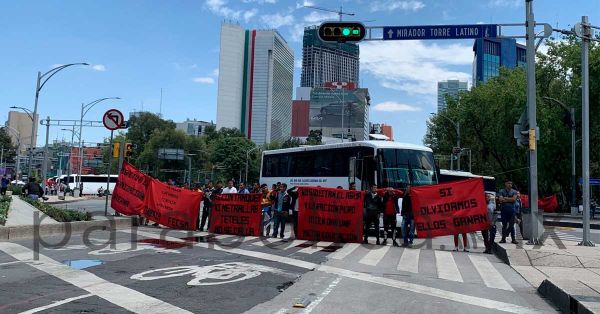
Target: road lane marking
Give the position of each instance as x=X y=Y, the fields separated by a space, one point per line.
x=402 y=285
x=446 y=266
x=490 y=275
x=124 y=297
x=344 y=251
x=316 y=247
x=409 y=261
x=374 y=255
x=56 y=303
x=325 y=293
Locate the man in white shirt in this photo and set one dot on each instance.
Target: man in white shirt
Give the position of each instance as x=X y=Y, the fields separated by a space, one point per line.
x=230 y=188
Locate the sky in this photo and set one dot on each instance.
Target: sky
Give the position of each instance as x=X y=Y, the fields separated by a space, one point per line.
x=135 y=48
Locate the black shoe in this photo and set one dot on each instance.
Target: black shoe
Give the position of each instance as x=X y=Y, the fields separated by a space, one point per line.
x=502 y=241
x=384 y=242
x=395 y=243
x=404 y=244
x=281 y=236
x=365 y=241
x=514 y=242
x=377 y=242
x=487 y=252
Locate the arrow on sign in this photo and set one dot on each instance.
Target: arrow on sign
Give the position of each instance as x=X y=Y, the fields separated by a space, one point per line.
x=390 y=33
x=115 y=118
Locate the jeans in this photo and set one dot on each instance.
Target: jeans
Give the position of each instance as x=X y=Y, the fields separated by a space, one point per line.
x=205 y=214
x=487 y=239
x=368 y=219
x=408 y=230
x=279 y=221
x=508 y=219
x=389 y=226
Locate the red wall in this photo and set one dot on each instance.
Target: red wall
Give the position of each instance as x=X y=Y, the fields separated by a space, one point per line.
x=300 y=116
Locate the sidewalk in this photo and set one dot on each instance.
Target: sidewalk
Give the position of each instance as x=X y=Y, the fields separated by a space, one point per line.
x=568 y=275
x=22 y=214
x=53 y=199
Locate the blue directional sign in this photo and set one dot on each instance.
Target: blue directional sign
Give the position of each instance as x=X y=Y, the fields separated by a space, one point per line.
x=440 y=32
x=592 y=181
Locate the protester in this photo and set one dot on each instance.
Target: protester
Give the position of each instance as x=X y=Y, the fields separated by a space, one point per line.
x=4 y=185
x=256 y=188
x=230 y=188
x=281 y=206
x=408 y=219
x=352 y=186
x=243 y=189
x=266 y=204
x=207 y=204
x=373 y=206
x=465 y=242
x=390 y=208
x=486 y=234
x=507 y=198
x=339 y=187
x=33 y=190
x=293 y=193
x=518 y=213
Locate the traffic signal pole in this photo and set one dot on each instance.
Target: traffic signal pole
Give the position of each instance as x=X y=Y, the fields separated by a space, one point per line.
x=110 y=157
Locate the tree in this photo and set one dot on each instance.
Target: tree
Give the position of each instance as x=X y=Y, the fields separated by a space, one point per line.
x=8 y=149
x=141 y=129
x=230 y=153
x=292 y=142
x=314 y=137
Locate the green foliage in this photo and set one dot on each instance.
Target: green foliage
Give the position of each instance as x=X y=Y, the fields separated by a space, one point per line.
x=292 y=142
x=314 y=137
x=4 y=207
x=58 y=214
x=230 y=153
x=15 y=189
x=141 y=129
x=6 y=143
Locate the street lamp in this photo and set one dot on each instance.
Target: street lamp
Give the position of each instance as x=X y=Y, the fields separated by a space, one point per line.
x=27 y=111
x=84 y=110
x=248 y=156
x=41 y=81
x=573 y=130
x=457 y=127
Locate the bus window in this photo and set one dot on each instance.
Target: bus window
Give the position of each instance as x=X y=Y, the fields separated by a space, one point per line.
x=400 y=167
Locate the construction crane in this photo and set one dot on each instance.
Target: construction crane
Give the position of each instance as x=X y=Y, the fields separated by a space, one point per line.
x=340 y=12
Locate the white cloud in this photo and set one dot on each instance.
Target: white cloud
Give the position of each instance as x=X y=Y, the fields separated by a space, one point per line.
x=316 y=17
x=204 y=80
x=392 y=5
x=392 y=106
x=297 y=32
x=99 y=67
x=298 y=63
x=412 y=66
x=215 y=72
x=250 y=14
x=304 y=3
x=506 y=3
x=277 y=20
x=219 y=7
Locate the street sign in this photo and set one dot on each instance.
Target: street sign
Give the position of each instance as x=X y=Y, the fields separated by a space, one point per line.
x=171 y=153
x=592 y=181
x=471 y=31
x=113 y=119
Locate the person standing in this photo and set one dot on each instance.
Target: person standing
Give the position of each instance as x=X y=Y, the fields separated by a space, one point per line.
x=373 y=206
x=486 y=234
x=281 y=205
x=230 y=188
x=207 y=204
x=352 y=186
x=243 y=189
x=507 y=198
x=293 y=193
x=267 y=212
x=80 y=189
x=518 y=213
x=4 y=185
x=408 y=219
x=390 y=209
x=465 y=242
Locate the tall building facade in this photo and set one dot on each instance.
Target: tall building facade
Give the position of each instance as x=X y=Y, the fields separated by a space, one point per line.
x=493 y=53
x=449 y=88
x=193 y=127
x=19 y=128
x=327 y=62
x=256 y=69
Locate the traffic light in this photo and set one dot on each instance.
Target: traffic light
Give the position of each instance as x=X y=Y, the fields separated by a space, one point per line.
x=521 y=130
x=129 y=149
x=116 y=148
x=342 y=31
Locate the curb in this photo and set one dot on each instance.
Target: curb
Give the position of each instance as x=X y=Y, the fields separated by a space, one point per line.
x=562 y=299
x=500 y=253
x=572 y=224
x=64 y=228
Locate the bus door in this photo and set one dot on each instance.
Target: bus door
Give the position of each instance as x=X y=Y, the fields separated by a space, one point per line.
x=365 y=172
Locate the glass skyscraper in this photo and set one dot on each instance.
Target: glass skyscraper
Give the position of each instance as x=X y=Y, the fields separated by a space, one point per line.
x=449 y=87
x=492 y=53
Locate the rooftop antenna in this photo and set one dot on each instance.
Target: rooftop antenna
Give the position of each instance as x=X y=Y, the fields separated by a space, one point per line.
x=340 y=12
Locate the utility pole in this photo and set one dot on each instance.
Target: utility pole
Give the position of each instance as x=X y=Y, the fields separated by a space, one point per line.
x=45 y=163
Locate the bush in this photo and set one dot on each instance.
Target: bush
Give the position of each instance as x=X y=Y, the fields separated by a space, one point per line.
x=16 y=190
x=4 y=206
x=58 y=214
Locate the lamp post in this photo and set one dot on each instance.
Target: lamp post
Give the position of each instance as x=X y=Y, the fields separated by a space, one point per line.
x=84 y=110
x=70 y=151
x=457 y=127
x=42 y=79
x=247 y=157
x=573 y=130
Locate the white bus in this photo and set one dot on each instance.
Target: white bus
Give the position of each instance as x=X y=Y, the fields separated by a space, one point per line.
x=387 y=164
x=91 y=182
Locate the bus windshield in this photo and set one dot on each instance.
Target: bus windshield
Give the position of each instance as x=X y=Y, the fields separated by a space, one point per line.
x=400 y=167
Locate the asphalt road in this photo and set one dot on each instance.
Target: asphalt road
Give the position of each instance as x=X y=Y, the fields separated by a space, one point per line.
x=140 y=271
x=570 y=234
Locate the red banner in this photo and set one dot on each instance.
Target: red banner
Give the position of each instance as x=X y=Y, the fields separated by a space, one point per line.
x=238 y=214
x=327 y=214
x=449 y=208
x=130 y=190
x=548 y=204
x=172 y=206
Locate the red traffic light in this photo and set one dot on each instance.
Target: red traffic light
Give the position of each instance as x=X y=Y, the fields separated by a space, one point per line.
x=342 y=31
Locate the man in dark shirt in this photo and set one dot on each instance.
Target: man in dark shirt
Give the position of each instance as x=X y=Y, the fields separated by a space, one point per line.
x=33 y=190
x=507 y=198
x=207 y=204
x=373 y=208
x=408 y=218
x=5 y=183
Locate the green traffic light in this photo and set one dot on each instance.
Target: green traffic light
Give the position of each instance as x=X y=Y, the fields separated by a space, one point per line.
x=355 y=32
x=346 y=31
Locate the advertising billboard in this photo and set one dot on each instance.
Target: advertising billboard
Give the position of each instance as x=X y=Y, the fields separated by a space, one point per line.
x=334 y=109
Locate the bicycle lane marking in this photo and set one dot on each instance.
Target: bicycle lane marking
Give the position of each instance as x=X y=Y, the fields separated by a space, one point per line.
x=421 y=289
x=124 y=297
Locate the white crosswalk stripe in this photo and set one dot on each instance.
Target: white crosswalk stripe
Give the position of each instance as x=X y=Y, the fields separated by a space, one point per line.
x=490 y=275
x=315 y=247
x=374 y=255
x=344 y=251
x=409 y=261
x=446 y=266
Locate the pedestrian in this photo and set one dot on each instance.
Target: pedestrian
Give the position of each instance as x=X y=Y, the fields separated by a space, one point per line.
x=256 y=188
x=230 y=188
x=486 y=233
x=4 y=185
x=266 y=204
x=243 y=189
x=373 y=206
x=339 y=187
x=518 y=214
x=465 y=242
x=281 y=206
x=390 y=208
x=352 y=186
x=207 y=204
x=293 y=193
x=408 y=218
x=507 y=198
x=80 y=189
x=33 y=190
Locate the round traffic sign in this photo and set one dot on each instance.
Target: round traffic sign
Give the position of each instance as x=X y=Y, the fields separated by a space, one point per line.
x=113 y=119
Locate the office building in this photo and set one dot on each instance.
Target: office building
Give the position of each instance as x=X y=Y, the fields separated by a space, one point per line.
x=327 y=62
x=300 y=117
x=493 y=53
x=449 y=88
x=255 y=83
x=193 y=127
x=19 y=128
x=382 y=129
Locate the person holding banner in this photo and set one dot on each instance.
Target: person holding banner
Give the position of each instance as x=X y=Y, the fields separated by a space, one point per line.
x=372 y=209
x=230 y=188
x=281 y=206
x=293 y=193
x=488 y=234
x=508 y=197
x=408 y=219
x=390 y=208
x=207 y=204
